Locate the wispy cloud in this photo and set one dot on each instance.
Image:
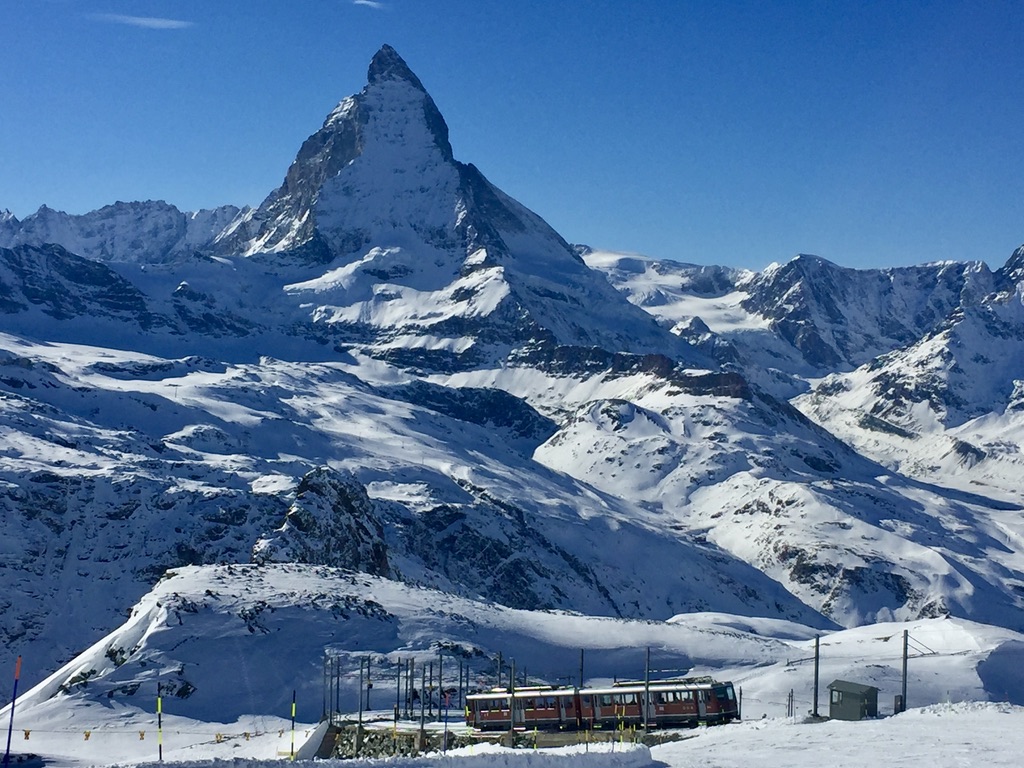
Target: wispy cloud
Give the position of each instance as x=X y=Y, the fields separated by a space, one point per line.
x=148 y=22
x=369 y=3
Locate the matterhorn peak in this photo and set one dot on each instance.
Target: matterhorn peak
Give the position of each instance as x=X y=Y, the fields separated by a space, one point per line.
x=386 y=64
x=362 y=172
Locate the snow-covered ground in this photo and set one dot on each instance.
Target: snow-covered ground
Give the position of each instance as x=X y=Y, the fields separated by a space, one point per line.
x=956 y=734
x=938 y=736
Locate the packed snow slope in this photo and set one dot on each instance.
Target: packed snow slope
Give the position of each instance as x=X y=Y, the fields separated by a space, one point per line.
x=391 y=366
x=227 y=646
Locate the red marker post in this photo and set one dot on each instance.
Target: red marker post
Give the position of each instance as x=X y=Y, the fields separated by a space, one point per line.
x=10 y=728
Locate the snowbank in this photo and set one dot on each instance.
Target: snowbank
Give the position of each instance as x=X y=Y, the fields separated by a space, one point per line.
x=482 y=756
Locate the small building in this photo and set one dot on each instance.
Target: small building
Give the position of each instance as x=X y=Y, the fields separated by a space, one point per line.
x=852 y=701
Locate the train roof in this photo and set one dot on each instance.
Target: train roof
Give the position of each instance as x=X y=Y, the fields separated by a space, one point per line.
x=531 y=691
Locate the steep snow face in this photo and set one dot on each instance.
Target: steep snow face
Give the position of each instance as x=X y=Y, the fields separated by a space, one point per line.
x=143 y=232
x=381 y=164
x=382 y=195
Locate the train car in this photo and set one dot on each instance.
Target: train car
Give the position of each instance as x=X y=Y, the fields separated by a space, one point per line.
x=670 y=704
x=545 y=708
x=687 y=703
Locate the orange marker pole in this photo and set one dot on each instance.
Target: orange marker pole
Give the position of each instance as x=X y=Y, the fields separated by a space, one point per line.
x=10 y=728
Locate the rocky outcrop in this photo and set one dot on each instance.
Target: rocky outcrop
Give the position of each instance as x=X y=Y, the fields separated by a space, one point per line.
x=331 y=522
x=67 y=287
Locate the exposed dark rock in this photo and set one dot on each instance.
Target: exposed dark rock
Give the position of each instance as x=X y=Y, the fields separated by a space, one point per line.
x=66 y=286
x=486 y=407
x=331 y=522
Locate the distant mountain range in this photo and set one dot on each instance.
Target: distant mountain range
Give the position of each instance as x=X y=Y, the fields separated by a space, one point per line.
x=392 y=367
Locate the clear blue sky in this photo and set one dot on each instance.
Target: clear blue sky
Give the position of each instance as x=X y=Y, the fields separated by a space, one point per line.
x=739 y=133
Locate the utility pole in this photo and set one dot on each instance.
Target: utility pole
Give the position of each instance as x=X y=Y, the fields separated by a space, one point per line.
x=903 y=688
x=337 y=684
x=398 y=690
x=423 y=724
x=410 y=679
x=430 y=691
x=512 y=698
x=647 y=688
x=817 y=640
x=369 y=683
x=359 y=723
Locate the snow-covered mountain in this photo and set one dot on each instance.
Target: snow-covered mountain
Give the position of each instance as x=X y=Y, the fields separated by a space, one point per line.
x=948 y=408
x=802 y=319
x=392 y=367
x=918 y=368
x=148 y=232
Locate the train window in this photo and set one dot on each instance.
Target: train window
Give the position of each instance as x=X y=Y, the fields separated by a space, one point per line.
x=606 y=699
x=687 y=695
x=659 y=698
x=585 y=700
x=629 y=698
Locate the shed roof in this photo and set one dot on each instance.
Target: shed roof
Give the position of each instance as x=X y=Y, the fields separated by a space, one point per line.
x=847 y=687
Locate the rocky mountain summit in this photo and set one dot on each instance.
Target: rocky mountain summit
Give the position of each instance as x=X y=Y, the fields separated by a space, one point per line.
x=377 y=240
x=390 y=366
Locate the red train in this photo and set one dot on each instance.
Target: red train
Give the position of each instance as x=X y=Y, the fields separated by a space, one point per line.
x=671 y=704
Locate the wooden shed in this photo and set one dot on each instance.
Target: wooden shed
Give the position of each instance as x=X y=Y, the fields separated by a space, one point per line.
x=852 y=701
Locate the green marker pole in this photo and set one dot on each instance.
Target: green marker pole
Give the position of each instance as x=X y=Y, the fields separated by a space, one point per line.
x=293 y=725
x=159 y=724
